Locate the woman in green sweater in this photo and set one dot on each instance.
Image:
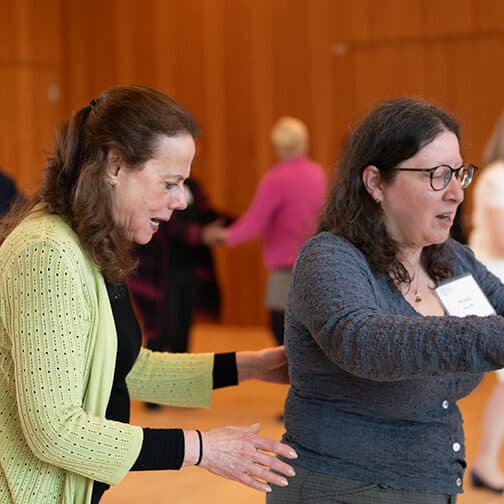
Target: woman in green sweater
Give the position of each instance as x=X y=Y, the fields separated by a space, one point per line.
x=70 y=345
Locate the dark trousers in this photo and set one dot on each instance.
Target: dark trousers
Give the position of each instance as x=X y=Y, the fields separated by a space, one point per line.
x=277 y=325
x=309 y=487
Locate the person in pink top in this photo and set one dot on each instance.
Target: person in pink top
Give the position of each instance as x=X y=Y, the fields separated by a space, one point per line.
x=283 y=212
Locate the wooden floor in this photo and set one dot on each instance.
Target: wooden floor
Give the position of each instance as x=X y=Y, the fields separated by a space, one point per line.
x=251 y=402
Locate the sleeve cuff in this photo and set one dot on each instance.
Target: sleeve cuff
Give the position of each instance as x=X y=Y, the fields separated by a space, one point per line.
x=161 y=449
x=225 y=372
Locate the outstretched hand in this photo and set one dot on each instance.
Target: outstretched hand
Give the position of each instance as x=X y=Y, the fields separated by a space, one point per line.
x=214 y=233
x=268 y=364
x=239 y=454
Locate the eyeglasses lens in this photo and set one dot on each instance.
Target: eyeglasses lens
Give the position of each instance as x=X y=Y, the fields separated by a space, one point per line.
x=441 y=176
x=466 y=175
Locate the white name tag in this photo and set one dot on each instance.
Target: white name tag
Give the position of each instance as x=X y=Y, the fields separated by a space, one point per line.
x=463 y=296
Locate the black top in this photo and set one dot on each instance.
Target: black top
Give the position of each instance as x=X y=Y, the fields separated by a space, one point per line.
x=161 y=448
x=8 y=193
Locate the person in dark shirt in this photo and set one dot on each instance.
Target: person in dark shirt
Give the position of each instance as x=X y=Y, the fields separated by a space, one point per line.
x=8 y=193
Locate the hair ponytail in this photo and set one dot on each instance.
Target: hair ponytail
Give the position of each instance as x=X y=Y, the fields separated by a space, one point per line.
x=64 y=165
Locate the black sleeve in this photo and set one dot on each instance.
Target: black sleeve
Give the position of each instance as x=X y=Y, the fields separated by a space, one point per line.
x=161 y=449
x=225 y=372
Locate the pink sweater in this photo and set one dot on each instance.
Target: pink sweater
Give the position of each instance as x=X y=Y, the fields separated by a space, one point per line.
x=284 y=211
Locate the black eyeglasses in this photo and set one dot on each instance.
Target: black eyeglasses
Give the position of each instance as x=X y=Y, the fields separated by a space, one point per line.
x=441 y=175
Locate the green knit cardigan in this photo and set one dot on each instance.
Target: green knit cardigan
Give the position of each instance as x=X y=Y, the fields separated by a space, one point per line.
x=58 y=347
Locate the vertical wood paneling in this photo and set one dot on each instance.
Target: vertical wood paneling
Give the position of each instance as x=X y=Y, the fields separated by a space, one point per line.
x=28 y=121
x=349 y=21
x=391 y=19
x=213 y=140
x=239 y=64
x=31 y=60
x=30 y=32
x=323 y=93
x=242 y=169
x=488 y=15
x=453 y=17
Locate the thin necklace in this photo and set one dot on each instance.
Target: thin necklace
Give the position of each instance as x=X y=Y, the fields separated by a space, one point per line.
x=418 y=296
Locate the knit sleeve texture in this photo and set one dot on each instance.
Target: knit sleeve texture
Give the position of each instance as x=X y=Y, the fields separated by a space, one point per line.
x=177 y=379
x=50 y=313
x=364 y=325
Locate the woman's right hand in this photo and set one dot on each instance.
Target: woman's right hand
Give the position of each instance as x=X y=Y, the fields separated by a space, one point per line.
x=238 y=453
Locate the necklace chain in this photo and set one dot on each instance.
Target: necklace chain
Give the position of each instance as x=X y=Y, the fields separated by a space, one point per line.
x=418 y=296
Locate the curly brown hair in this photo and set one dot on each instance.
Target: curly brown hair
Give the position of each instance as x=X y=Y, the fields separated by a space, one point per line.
x=130 y=119
x=392 y=132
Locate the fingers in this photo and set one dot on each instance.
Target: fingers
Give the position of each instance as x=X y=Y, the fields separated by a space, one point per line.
x=264 y=474
x=262 y=471
x=255 y=428
x=272 y=446
x=238 y=453
x=266 y=467
x=274 y=464
x=254 y=483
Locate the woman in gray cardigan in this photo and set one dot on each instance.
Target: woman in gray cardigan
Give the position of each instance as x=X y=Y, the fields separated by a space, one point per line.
x=376 y=365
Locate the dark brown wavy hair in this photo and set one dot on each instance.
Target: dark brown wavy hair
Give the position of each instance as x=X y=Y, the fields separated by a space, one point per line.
x=130 y=119
x=392 y=132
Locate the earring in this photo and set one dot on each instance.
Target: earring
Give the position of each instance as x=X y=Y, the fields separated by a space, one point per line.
x=377 y=201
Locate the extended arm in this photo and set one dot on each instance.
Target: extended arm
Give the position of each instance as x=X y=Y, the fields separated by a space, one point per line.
x=338 y=302
x=253 y=223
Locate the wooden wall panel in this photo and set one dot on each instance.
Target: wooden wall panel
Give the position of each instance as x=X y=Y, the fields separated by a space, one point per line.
x=396 y=19
x=488 y=15
x=239 y=64
x=31 y=57
x=30 y=112
x=243 y=290
x=30 y=32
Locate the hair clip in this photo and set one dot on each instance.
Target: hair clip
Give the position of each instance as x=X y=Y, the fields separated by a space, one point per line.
x=92 y=104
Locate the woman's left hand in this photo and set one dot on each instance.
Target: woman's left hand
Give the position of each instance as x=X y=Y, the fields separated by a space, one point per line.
x=268 y=364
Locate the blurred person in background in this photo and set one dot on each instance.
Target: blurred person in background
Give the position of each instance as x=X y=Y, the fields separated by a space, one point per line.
x=283 y=212
x=487 y=242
